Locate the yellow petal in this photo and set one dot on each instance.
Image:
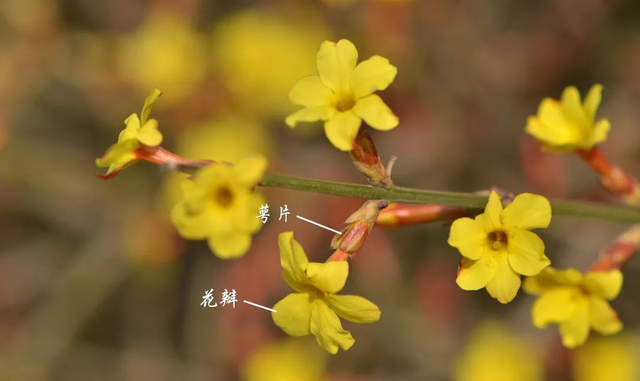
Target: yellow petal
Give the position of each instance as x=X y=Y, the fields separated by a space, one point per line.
x=327 y=329
x=575 y=331
x=602 y=317
x=572 y=106
x=550 y=278
x=192 y=225
x=375 y=113
x=250 y=171
x=336 y=62
x=552 y=127
x=354 y=308
x=592 y=102
x=118 y=154
x=230 y=245
x=527 y=211
x=328 y=277
x=293 y=313
x=374 y=74
x=599 y=133
x=605 y=284
x=474 y=275
x=310 y=114
x=293 y=259
x=505 y=283
x=131 y=130
x=469 y=237
x=554 y=306
x=526 y=253
x=310 y=92
x=148 y=105
x=342 y=129
x=492 y=211
x=149 y=134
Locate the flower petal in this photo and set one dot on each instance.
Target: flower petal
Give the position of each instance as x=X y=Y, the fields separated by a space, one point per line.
x=328 y=277
x=250 y=170
x=505 y=283
x=148 y=105
x=293 y=313
x=376 y=113
x=192 y=225
x=310 y=92
x=118 y=154
x=575 y=331
x=553 y=306
x=354 y=308
x=526 y=253
x=230 y=245
x=602 y=317
x=492 y=211
x=592 y=102
x=327 y=329
x=474 y=275
x=599 y=133
x=374 y=74
x=469 y=237
x=293 y=259
x=527 y=211
x=149 y=134
x=341 y=130
x=310 y=114
x=335 y=62
x=550 y=278
x=605 y=284
x=572 y=106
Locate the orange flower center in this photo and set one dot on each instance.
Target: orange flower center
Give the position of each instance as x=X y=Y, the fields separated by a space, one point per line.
x=345 y=102
x=223 y=196
x=497 y=240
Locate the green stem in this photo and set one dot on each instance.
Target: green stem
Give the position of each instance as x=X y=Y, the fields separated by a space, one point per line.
x=465 y=200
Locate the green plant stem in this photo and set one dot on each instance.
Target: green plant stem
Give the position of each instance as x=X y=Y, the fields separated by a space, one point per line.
x=465 y=200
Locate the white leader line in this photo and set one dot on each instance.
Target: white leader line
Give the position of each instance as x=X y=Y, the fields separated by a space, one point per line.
x=259 y=306
x=317 y=224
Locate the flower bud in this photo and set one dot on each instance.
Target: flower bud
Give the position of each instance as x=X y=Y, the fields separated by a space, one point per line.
x=365 y=157
x=359 y=225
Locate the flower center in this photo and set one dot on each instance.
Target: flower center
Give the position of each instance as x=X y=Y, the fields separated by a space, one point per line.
x=223 y=196
x=345 y=102
x=497 y=239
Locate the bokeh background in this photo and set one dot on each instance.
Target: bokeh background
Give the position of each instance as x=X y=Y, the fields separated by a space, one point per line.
x=95 y=284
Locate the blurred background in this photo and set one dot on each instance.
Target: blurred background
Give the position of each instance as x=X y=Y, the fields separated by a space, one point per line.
x=95 y=284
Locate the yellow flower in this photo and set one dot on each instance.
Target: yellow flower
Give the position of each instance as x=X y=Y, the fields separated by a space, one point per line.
x=342 y=93
x=497 y=245
x=167 y=52
x=287 y=360
x=261 y=53
x=611 y=358
x=221 y=206
x=569 y=125
x=314 y=308
x=576 y=302
x=495 y=354
x=138 y=131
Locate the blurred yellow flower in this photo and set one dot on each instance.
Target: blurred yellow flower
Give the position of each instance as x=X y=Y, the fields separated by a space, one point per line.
x=137 y=131
x=288 y=360
x=220 y=205
x=497 y=245
x=611 y=358
x=261 y=54
x=314 y=308
x=494 y=354
x=228 y=138
x=576 y=302
x=342 y=93
x=569 y=124
x=166 y=52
